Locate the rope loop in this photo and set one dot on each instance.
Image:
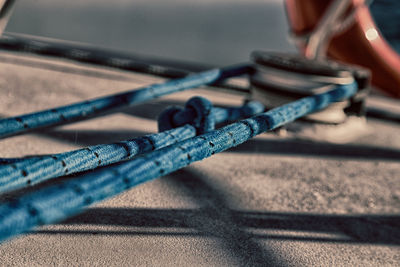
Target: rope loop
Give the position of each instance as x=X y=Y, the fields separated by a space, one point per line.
x=166 y=118
x=197 y=112
x=204 y=120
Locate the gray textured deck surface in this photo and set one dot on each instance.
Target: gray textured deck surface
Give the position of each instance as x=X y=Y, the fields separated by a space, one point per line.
x=272 y=201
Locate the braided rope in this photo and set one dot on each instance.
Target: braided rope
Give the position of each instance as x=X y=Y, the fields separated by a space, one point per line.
x=195 y=112
x=96 y=107
x=53 y=203
x=27 y=171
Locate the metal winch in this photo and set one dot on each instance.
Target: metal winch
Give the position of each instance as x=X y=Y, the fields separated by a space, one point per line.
x=280 y=78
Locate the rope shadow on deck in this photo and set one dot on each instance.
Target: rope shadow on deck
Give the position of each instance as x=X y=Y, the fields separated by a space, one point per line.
x=319 y=149
x=216 y=219
x=358 y=229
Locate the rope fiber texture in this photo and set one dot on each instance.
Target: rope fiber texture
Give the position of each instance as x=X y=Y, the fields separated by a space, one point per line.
x=53 y=203
x=96 y=107
x=28 y=171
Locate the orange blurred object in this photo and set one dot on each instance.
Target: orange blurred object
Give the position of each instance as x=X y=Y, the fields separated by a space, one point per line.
x=361 y=43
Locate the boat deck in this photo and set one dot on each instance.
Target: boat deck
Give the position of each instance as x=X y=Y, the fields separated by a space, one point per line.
x=275 y=200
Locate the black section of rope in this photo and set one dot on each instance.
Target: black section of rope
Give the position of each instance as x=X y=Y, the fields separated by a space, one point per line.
x=87 y=54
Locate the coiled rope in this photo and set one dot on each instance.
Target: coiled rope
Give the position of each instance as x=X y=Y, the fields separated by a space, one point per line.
x=53 y=203
x=177 y=126
x=96 y=107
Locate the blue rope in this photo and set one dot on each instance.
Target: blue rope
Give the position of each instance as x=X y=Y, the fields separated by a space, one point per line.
x=53 y=203
x=197 y=110
x=95 y=107
x=28 y=171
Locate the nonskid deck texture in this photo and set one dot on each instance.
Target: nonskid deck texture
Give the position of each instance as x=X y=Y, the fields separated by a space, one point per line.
x=272 y=200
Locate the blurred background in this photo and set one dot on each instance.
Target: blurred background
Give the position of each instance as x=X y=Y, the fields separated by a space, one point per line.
x=208 y=31
x=217 y=32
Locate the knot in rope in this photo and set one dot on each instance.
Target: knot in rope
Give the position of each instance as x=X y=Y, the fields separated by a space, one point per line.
x=197 y=112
